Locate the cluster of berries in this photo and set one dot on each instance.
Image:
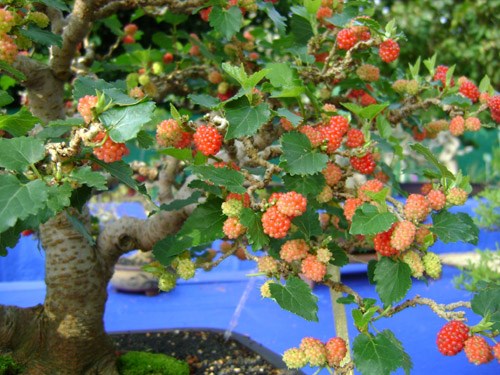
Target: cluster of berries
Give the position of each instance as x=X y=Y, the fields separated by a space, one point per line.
x=8 y=47
x=129 y=30
x=109 y=151
x=315 y=353
x=276 y=221
x=232 y=208
x=454 y=337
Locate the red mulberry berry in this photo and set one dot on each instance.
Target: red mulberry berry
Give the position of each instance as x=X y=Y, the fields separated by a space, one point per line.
x=332 y=173
x=403 y=235
x=473 y=124
x=477 y=350
x=469 y=90
x=110 y=151
x=346 y=39
x=451 y=338
x=313 y=134
x=440 y=75
x=207 y=140
x=294 y=250
x=355 y=138
x=314 y=350
x=436 y=199
x=313 y=269
x=382 y=243
x=292 y=204
x=457 y=126
x=372 y=185
x=232 y=228
x=85 y=106
x=336 y=350
x=350 y=206
x=364 y=164
x=388 y=50
x=274 y=223
x=168 y=133
x=417 y=207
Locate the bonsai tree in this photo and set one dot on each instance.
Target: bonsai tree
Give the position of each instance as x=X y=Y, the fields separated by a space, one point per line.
x=277 y=126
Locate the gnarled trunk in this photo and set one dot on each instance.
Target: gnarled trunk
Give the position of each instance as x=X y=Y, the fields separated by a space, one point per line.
x=66 y=335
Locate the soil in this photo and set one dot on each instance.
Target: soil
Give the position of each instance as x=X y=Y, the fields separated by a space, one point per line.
x=207 y=351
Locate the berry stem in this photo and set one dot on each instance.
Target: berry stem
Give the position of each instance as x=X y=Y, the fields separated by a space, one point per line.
x=339 y=314
x=33 y=168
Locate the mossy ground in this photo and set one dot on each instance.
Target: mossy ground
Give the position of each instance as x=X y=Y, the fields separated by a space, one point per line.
x=144 y=363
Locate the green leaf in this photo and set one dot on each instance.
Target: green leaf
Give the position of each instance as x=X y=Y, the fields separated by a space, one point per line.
x=454 y=227
x=226 y=21
x=80 y=228
x=5 y=98
x=458 y=100
x=125 y=122
x=308 y=223
x=122 y=172
x=204 y=100
x=179 y=153
x=384 y=127
x=18 y=153
x=372 y=110
x=236 y=72
x=393 y=280
x=145 y=140
x=485 y=84
x=272 y=13
x=305 y=185
x=430 y=64
x=424 y=151
x=292 y=117
x=342 y=19
x=285 y=79
x=170 y=247
x=230 y=179
x=85 y=175
x=80 y=197
x=18 y=201
x=205 y=186
x=367 y=220
x=245 y=120
x=14 y=72
x=372 y=266
x=118 y=97
x=301 y=29
x=56 y=4
x=414 y=69
x=175 y=113
x=487 y=304
x=312 y=6
x=9 y=238
x=255 y=232
x=204 y=225
x=379 y=355
x=296 y=297
x=181 y=203
x=59 y=197
x=299 y=156
x=339 y=255
x=19 y=123
x=85 y=85
x=354 y=108
x=41 y=36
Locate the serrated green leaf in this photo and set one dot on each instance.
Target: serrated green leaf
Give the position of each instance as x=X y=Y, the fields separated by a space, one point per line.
x=272 y=13
x=56 y=4
x=122 y=172
x=85 y=85
x=181 y=203
x=125 y=122
x=285 y=79
x=14 y=72
x=18 y=201
x=80 y=197
x=80 y=228
x=384 y=127
x=305 y=185
x=486 y=302
x=85 y=175
x=346 y=300
x=454 y=227
x=230 y=179
x=145 y=140
x=308 y=223
x=179 y=153
x=299 y=156
x=458 y=100
x=204 y=225
x=368 y=220
x=9 y=238
x=59 y=197
x=204 y=100
x=430 y=64
x=255 y=232
x=414 y=69
x=372 y=265
x=226 y=21
x=312 y=6
x=372 y=110
x=485 y=84
x=209 y=188
x=432 y=159
x=19 y=123
x=339 y=256
x=236 y=72
x=301 y=28
x=393 y=280
x=379 y=355
x=244 y=119
x=18 y=153
x=5 y=98
x=342 y=19
x=175 y=113
x=290 y=116
x=296 y=297
x=354 y=108
x=118 y=97
x=41 y=36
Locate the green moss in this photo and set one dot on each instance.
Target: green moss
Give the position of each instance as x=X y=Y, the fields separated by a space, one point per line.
x=8 y=366
x=143 y=363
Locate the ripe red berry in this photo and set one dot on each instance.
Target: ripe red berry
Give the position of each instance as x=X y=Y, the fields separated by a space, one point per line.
x=472 y=124
x=477 y=350
x=364 y=164
x=346 y=39
x=382 y=243
x=494 y=103
x=232 y=228
x=313 y=269
x=324 y=12
x=292 y=204
x=355 y=138
x=128 y=39
x=451 y=338
x=207 y=140
x=110 y=151
x=366 y=100
x=313 y=134
x=388 y=50
x=130 y=29
x=440 y=75
x=370 y=185
x=417 y=208
x=205 y=13
x=168 y=58
x=8 y=48
x=336 y=350
x=339 y=124
x=496 y=351
x=469 y=90
x=27 y=232
x=274 y=223
x=168 y=133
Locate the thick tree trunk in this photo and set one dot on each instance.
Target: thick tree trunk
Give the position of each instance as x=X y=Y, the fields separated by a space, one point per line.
x=66 y=335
